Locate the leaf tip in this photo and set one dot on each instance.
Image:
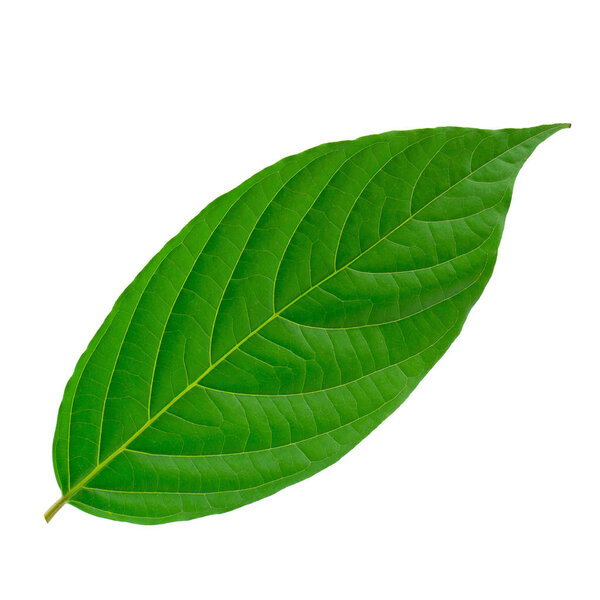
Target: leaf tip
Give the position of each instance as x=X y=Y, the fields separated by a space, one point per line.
x=557 y=126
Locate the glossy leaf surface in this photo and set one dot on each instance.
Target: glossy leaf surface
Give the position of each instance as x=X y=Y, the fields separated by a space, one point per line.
x=285 y=322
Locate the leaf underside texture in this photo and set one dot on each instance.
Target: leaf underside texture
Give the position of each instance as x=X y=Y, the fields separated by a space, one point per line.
x=285 y=322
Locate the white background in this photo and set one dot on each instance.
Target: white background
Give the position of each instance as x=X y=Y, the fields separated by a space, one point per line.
x=121 y=120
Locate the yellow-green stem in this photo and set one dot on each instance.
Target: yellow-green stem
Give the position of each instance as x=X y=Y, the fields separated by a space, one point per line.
x=56 y=507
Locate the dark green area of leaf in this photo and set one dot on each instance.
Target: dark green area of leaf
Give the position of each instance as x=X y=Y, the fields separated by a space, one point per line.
x=285 y=322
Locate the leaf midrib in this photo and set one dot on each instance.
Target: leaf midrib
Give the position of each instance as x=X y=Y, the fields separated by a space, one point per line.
x=66 y=497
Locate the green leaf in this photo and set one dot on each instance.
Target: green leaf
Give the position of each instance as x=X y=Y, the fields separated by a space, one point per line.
x=285 y=322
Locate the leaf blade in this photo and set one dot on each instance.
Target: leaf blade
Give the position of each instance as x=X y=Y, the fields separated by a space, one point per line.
x=202 y=313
